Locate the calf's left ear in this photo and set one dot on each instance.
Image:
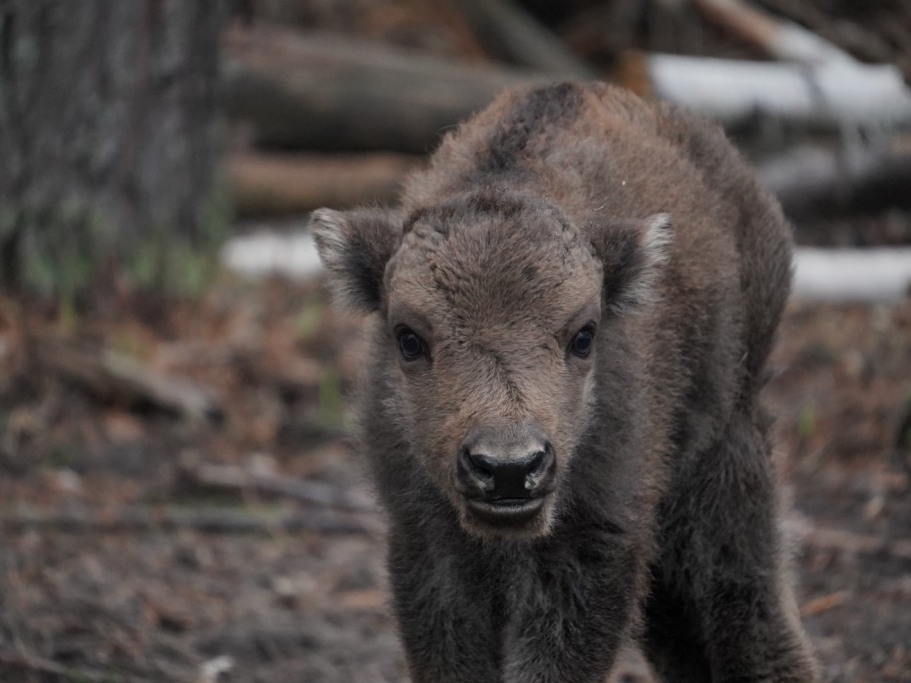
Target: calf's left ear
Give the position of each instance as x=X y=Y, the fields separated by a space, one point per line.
x=355 y=247
x=633 y=254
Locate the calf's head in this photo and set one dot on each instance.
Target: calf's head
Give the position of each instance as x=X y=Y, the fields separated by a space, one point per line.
x=492 y=307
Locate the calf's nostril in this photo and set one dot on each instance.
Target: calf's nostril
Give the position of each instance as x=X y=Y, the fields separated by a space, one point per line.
x=476 y=469
x=540 y=468
x=480 y=467
x=536 y=464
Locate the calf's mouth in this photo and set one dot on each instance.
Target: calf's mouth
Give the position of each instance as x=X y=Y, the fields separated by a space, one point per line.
x=506 y=512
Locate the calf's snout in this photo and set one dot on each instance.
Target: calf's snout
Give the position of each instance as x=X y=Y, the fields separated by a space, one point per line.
x=499 y=464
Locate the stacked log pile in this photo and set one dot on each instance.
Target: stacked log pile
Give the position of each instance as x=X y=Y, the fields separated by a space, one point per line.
x=339 y=120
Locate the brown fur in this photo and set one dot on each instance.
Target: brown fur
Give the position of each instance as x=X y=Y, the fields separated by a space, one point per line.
x=554 y=210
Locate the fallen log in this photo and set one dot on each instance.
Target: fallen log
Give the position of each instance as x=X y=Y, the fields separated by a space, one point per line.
x=808 y=181
x=265 y=252
x=832 y=95
x=820 y=274
x=508 y=33
x=811 y=181
x=281 y=184
x=872 y=275
x=327 y=93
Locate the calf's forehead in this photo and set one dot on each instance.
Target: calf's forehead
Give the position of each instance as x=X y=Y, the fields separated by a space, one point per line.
x=495 y=271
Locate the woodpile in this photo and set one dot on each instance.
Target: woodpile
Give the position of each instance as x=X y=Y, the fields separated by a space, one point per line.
x=339 y=120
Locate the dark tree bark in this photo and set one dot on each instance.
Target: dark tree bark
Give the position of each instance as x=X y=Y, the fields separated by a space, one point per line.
x=107 y=138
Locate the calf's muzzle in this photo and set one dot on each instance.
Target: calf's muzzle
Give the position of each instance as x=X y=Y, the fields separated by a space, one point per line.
x=506 y=466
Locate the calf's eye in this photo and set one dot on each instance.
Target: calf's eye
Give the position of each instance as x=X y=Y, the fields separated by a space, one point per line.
x=410 y=345
x=581 y=345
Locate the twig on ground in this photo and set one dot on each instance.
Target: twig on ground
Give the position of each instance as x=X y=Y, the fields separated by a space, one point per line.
x=234 y=478
x=824 y=603
x=135 y=519
x=117 y=377
x=22 y=663
x=821 y=537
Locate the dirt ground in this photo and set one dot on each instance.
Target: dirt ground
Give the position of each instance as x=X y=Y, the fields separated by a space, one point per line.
x=139 y=545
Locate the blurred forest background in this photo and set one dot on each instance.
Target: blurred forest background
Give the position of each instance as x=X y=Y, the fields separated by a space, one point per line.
x=177 y=498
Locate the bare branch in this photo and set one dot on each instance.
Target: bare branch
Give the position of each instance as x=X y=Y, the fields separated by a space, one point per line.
x=777 y=38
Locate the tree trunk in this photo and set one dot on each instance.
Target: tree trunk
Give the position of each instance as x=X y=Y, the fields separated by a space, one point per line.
x=107 y=139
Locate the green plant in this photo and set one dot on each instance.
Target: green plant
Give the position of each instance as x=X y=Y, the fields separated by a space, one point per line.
x=806 y=420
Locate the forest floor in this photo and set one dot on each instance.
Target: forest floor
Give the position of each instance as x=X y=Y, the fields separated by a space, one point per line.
x=137 y=544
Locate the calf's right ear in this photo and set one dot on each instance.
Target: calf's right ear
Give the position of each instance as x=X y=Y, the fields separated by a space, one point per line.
x=355 y=247
x=633 y=253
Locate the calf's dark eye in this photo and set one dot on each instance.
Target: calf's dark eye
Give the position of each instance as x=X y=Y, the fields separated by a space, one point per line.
x=410 y=344
x=581 y=345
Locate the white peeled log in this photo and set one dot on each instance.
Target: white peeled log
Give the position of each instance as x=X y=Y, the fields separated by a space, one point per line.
x=863 y=275
x=265 y=252
x=796 y=44
x=830 y=95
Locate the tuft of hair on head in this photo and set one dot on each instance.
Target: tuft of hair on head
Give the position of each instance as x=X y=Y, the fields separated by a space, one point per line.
x=633 y=253
x=355 y=247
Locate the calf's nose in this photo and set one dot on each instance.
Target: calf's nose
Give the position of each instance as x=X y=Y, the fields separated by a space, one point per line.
x=510 y=464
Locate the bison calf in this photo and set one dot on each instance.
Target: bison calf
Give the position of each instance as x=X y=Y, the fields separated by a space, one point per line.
x=573 y=307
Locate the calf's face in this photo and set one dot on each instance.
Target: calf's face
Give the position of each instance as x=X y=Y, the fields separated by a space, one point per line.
x=491 y=309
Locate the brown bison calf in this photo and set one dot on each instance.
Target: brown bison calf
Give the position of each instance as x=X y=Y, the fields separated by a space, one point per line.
x=573 y=307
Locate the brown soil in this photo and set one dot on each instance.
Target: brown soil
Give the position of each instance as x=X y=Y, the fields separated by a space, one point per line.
x=112 y=568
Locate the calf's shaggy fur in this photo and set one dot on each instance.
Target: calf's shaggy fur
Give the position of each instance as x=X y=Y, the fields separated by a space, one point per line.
x=572 y=310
